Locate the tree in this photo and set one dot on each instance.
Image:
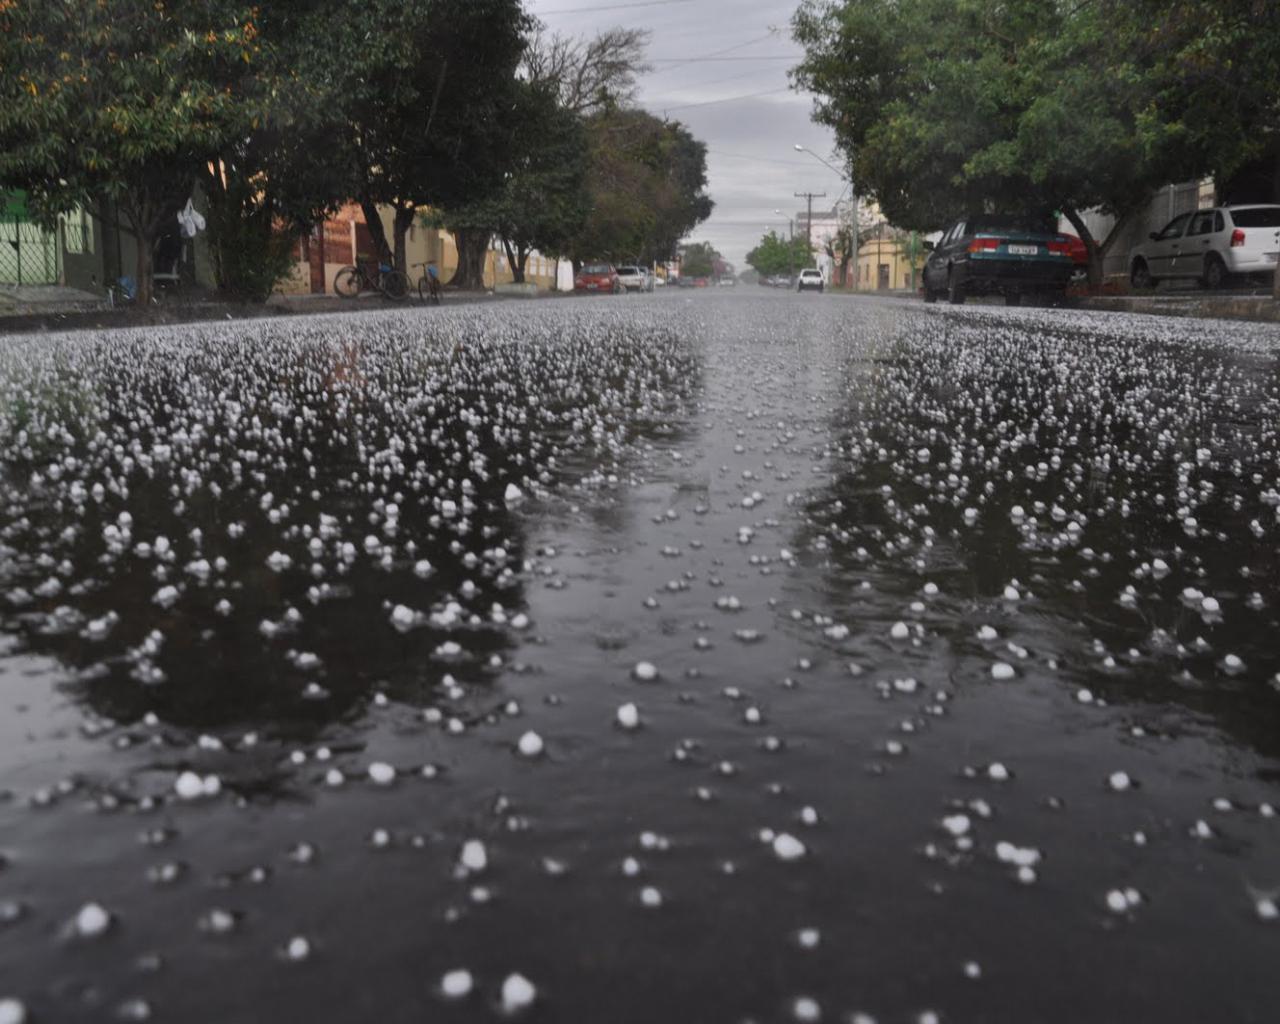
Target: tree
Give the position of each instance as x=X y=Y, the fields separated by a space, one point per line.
x=646 y=182
x=839 y=248
x=698 y=259
x=126 y=101
x=588 y=75
x=948 y=105
x=775 y=255
x=418 y=102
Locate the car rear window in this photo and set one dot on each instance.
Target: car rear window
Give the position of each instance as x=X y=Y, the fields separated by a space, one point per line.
x=1257 y=217
x=596 y=268
x=991 y=223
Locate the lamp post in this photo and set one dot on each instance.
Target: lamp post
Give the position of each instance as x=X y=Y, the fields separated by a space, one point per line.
x=854 y=193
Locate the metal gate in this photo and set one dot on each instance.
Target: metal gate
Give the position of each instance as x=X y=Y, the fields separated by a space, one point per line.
x=28 y=254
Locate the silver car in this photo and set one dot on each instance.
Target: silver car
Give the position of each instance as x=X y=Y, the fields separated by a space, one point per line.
x=635 y=279
x=1210 y=245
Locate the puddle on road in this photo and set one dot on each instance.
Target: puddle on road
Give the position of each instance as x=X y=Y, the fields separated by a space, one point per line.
x=720 y=658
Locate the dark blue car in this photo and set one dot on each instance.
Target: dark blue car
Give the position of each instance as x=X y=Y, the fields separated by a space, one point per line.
x=1011 y=255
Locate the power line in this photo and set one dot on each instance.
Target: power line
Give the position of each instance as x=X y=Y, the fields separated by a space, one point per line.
x=727 y=99
x=710 y=59
x=613 y=7
x=728 y=49
x=761 y=159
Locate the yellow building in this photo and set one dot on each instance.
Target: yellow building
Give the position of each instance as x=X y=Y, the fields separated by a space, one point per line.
x=885 y=264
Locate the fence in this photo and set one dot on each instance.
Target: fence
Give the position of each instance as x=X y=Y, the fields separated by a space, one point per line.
x=28 y=254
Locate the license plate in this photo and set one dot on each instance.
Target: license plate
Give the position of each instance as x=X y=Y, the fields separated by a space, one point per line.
x=1271 y=257
x=1024 y=250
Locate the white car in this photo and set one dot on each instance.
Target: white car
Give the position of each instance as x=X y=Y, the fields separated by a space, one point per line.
x=810 y=279
x=635 y=279
x=1210 y=245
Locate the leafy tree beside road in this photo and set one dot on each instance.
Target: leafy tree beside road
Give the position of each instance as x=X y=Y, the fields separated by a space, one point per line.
x=948 y=105
x=776 y=255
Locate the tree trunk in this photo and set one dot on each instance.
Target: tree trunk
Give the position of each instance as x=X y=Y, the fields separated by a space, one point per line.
x=403 y=221
x=142 y=267
x=516 y=257
x=471 y=243
x=373 y=219
x=1095 y=251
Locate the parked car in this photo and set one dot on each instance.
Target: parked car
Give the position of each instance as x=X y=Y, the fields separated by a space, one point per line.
x=810 y=280
x=1209 y=246
x=635 y=279
x=597 y=277
x=985 y=254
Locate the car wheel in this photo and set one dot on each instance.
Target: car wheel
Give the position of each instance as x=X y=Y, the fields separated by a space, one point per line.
x=1215 y=272
x=929 y=294
x=1140 y=275
x=955 y=288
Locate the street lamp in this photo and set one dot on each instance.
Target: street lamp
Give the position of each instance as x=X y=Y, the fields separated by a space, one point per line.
x=854 y=193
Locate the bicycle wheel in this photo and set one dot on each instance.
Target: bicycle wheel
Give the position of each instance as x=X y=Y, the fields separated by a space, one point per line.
x=347 y=282
x=429 y=289
x=395 y=284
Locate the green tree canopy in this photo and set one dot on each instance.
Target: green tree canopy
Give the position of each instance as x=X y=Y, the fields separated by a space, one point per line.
x=945 y=106
x=776 y=255
x=126 y=100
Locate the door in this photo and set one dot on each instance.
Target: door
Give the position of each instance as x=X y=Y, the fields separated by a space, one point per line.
x=1196 y=245
x=882 y=282
x=1163 y=250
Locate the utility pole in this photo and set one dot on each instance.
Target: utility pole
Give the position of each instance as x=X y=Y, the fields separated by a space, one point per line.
x=808 y=223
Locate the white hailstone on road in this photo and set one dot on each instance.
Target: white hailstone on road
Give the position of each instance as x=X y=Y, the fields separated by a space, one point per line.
x=806 y=1010
x=899 y=631
x=1002 y=670
x=1012 y=593
x=298 y=949
x=645 y=671
x=422 y=568
x=1120 y=901
x=957 y=824
x=381 y=773
x=91 y=921
x=997 y=772
x=650 y=897
x=166 y=596
x=334 y=777
x=1159 y=568
x=1210 y=606
x=530 y=744
x=402 y=617
x=1266 y=909
x=474 y=858
x=512 y=495
x=787 y=847
x=12 y=1011
x=1233 y=663
x=456 y=984
x=518 y=993
x=930 y=590
x=987 y=633
x=973 y=970
x=628 y=716
x=1119 y=781
x=189 y=786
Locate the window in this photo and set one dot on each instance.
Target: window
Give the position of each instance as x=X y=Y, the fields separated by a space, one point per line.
x=1174 y=228
x=77 y=232
x=1201 y=223
x=1257 y=217
x=1218 y=223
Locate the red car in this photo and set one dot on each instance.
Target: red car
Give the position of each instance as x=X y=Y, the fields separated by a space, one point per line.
x=597 y=277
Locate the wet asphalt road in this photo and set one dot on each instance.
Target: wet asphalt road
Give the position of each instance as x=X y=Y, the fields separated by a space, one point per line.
x=692 y=657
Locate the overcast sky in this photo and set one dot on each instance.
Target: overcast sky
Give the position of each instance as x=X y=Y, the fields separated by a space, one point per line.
x=724 y=51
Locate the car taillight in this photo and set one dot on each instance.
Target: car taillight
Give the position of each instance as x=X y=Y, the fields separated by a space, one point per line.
x=1237 y=238
x=985 y=244
x=1061 y=248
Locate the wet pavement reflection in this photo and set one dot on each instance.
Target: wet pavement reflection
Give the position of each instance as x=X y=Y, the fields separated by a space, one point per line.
x=708 y=657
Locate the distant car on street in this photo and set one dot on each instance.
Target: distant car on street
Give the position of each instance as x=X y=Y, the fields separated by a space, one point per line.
x=1209 y=246
x=985 y=254
x=635 y=279
x=597 y=277
x=810 y=280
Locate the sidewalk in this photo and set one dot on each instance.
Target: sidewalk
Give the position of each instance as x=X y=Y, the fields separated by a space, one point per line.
x=53 y=308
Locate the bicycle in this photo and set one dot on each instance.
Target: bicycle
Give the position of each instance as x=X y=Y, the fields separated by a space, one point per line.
x=390 y=283
x=429 y=283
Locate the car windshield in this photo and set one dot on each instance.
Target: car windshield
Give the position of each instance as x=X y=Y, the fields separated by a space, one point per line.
x=628 y=271
x=596 y=268
x=995 y=222
x=1257 y=217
